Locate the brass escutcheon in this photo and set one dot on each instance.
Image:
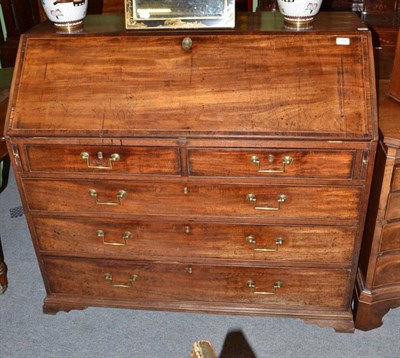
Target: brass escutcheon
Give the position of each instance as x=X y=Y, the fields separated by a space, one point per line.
x=187 y=43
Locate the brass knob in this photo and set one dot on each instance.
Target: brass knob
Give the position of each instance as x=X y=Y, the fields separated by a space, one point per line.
x=187 y=43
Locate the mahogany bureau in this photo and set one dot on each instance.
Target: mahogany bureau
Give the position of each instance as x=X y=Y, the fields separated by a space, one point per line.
x=221 y=171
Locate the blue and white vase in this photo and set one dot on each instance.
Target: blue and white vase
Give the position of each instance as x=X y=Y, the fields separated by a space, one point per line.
x=66 y=14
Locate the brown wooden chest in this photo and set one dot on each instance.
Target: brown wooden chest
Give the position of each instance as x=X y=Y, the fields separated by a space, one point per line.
x=228 y=176
x=377 y=285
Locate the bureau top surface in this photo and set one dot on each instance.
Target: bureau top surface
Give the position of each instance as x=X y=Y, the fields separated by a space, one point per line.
x=258 y=79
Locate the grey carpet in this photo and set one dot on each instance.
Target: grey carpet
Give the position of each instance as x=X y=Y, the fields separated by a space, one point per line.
x=100 y=332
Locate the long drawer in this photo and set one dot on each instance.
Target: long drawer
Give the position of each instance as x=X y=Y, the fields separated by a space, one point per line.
x=196 y=240
x=231 y=200
x=169 y=282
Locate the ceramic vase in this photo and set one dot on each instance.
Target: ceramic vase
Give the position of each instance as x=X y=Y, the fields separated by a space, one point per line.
x=299 y=13
x=67 y=15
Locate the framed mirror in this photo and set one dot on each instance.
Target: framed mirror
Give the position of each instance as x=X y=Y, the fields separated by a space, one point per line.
x=179 y=14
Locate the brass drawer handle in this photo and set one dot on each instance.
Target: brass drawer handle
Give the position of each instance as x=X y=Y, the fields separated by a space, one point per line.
x=113 y=158
x=287 y=160
x=121 y=194
x=253 y=199
x=252 y=284
x=129 y=284
x=101 y=235
x=252 y=240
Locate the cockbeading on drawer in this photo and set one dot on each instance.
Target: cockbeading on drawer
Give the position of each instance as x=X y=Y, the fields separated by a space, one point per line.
x=173 y=282
x=160 y=239
x=194 y=199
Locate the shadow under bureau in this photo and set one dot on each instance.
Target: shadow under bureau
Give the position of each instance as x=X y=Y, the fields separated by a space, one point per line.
x=222 y=171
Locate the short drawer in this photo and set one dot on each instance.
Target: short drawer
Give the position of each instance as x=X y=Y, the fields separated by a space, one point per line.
x=100 y=159
x=172 y=282
x=297 y=163
x=393 y=206
x=387 y=272
x=390 y=237
x=229 y=200
x=396 y=178
x=144 y=239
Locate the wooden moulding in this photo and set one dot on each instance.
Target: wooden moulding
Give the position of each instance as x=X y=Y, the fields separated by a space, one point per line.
x=394 y=88
x=341 y=321
x=372 y=306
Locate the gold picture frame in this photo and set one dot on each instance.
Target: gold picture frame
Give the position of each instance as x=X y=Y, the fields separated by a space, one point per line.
x=179 y=14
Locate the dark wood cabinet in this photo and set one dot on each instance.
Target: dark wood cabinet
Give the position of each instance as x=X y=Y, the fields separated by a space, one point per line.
x=232 y=177
x=383 y=17
x=381 y=6
x=377 y=288
x=394 y=86
x=19 y=16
